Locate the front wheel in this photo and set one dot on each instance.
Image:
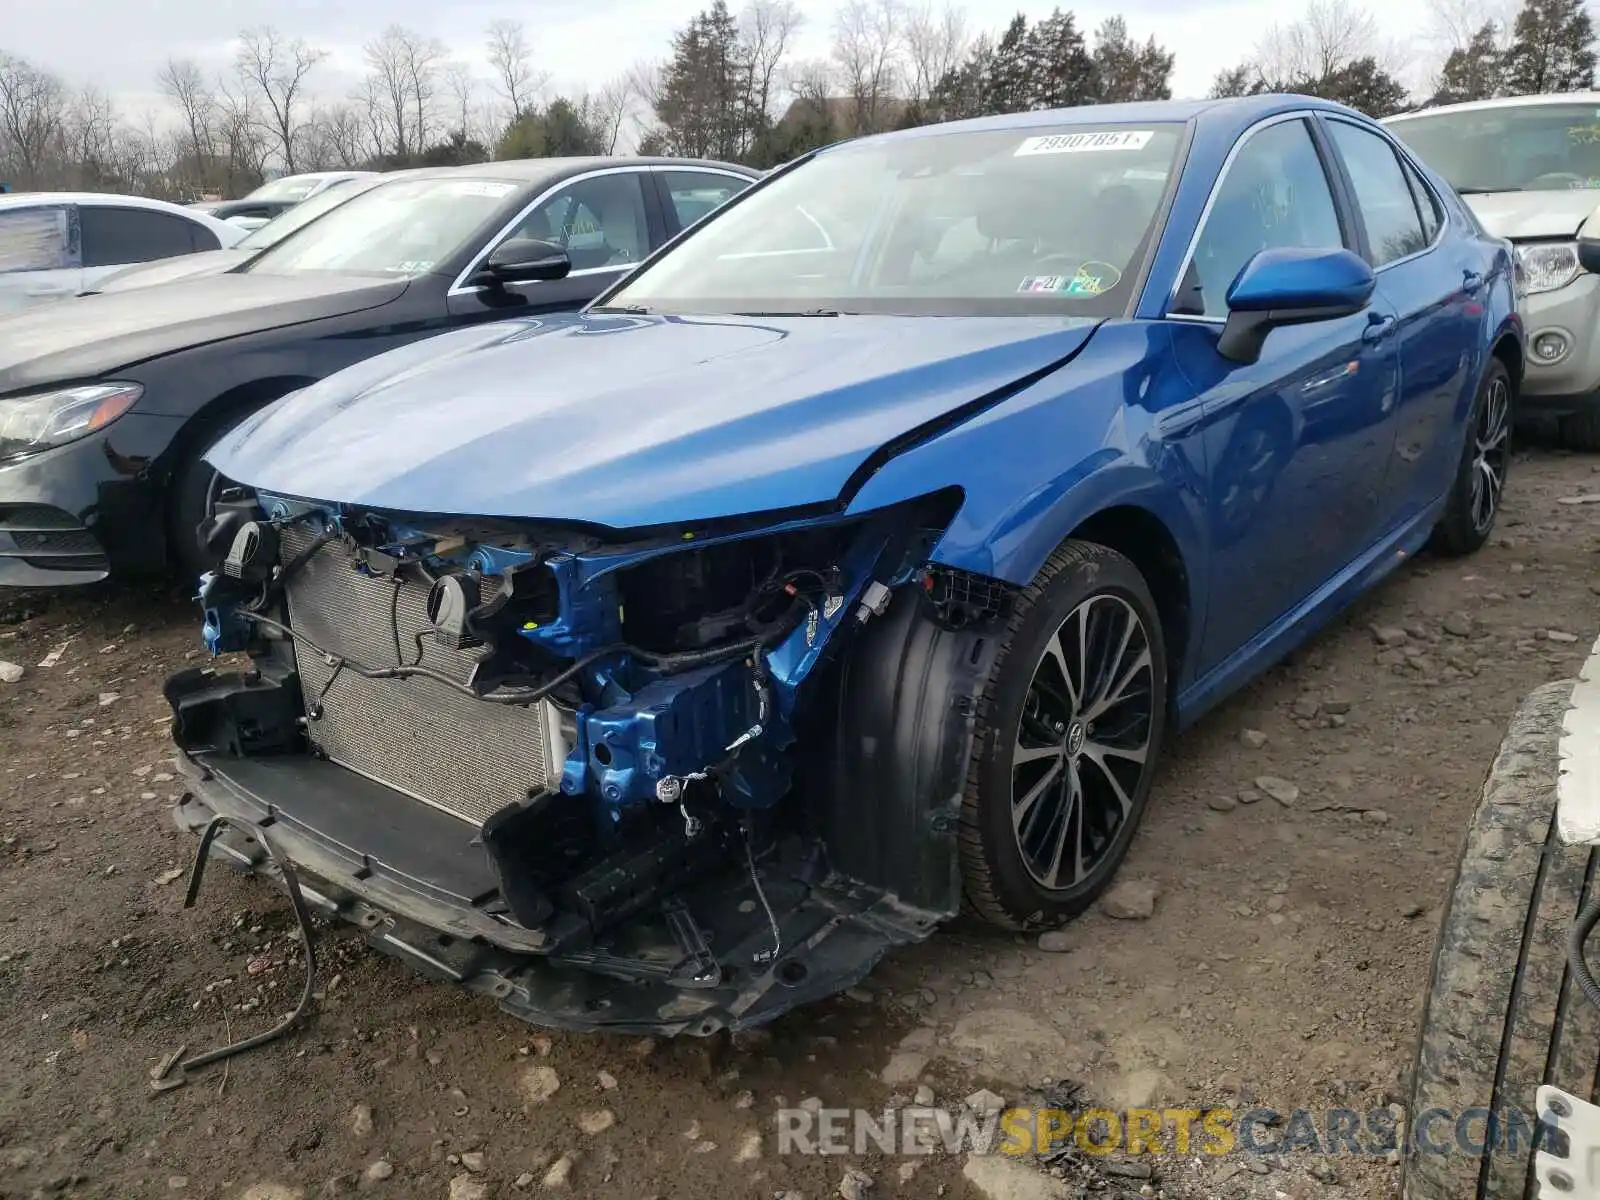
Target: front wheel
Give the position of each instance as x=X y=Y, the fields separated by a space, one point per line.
x=1069 y=728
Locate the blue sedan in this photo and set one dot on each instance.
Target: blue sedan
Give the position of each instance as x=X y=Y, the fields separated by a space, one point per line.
x=851 y=561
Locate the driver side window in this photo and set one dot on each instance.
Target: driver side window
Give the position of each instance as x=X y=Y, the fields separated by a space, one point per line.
x=599 y=221
x=1274 y=195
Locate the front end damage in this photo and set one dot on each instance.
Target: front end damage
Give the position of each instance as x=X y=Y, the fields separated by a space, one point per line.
x=676 y=783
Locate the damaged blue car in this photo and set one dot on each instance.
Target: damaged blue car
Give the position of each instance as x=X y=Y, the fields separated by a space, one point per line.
x=661 y=667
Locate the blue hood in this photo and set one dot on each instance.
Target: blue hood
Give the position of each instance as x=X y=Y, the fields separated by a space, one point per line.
x=628 y=421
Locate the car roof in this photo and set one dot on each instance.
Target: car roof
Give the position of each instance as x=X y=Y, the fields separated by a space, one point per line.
x=541 y=170
x=1237 y=113
x=1541 y=101
x=321 y=175
x=113 y=200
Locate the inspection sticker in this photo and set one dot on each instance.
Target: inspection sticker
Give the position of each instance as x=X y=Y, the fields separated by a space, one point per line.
x=1081 y=143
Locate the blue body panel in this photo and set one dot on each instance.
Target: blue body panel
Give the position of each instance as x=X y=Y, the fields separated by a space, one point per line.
x=1288 y=485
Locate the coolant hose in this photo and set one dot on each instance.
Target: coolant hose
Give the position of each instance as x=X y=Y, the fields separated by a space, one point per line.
x=1581 y=928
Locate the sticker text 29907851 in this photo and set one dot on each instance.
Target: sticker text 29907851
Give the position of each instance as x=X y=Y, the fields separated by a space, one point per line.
x=1084 y=143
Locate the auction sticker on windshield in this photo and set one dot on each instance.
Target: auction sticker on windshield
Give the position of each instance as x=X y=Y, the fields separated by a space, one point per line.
x=1081 y=143
x=482 y=187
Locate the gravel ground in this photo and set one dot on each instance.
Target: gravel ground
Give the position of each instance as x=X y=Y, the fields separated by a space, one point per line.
x=1277 y=915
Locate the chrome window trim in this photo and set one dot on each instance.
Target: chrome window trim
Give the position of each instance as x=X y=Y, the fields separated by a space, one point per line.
x=1400 y=154
x=461 y=288
x=1211 y=200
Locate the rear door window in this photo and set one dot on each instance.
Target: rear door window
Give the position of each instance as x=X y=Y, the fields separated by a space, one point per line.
x=113 y=237
x=694 y=194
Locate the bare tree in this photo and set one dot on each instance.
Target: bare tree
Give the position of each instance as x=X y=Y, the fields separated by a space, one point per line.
x=401 y=89
x=183 y=84
x=935 y=44
x=607 y=109
x=511 y=58
x=461 y=85
x=89 y=132
x=32 y=108
x=1452 y=24
x=274 y=68
x=239 y=129
x=766 y=30
x=1330 y=34
x=866 y=41
x=348 y=136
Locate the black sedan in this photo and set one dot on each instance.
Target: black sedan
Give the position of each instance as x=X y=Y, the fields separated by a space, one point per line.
x=108 y=402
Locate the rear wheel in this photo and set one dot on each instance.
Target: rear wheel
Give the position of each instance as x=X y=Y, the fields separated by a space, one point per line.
x=1480 y=480
x=1068 y=732
x=1503 y=1014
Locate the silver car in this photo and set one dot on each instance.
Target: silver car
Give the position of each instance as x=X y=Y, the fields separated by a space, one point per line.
x=1529 y=168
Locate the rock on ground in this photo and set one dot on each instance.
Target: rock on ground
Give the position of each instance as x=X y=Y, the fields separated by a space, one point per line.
x=1130 y=899
x=1003 y=1177
x=904 y=1067
x=1006 y=1035
x=538 y=1084
x=468 y=1187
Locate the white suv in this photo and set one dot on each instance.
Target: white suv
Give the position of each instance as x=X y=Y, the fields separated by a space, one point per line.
x=1529 y=168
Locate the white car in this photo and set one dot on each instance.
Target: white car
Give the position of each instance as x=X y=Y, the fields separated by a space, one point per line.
x=276 y=198
x=54 y=245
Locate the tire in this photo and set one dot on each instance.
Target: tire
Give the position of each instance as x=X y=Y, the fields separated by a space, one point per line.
x=187 y=495
x=1502 y=1014
x=1485 y=459
x=1581 y=431
x=1002 y=882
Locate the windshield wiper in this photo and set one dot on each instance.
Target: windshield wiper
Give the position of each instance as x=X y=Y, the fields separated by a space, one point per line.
x=637 y=310
x=1484 y=191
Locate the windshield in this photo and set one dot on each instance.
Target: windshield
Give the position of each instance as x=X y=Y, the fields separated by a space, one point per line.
x=301 y=215
x=1531 y=148
x=958 y=224
x=403 y=228
x=292 y=187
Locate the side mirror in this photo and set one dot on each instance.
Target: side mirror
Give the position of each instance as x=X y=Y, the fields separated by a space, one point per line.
x=522 y=260
x=1291 y=286
x=1589 y=243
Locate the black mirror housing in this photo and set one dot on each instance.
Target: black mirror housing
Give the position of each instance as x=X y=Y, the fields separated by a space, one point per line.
x=523 y=260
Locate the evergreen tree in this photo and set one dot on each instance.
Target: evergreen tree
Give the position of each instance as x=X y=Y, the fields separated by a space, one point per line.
x=1061 y=73
x=557 y=130
x=1552 y=48
x=1007 y=83
x=1126 y=71
x=963 y=91
x=1243 y=80
x=1363 y=85
x=1475 y=71
x=702 y=110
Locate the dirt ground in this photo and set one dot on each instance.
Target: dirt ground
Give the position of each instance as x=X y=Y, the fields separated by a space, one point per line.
x=1282 y=965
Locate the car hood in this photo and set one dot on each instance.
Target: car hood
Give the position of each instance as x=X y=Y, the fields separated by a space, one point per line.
x=1520 y=215
x=169 y=270
x=627 y=421
x=90 y=335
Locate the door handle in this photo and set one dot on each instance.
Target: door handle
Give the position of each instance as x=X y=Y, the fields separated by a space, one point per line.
x=1378 y=328
x=1471 y=281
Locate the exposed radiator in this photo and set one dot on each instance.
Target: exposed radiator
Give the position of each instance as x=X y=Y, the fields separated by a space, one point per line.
x=462 y=755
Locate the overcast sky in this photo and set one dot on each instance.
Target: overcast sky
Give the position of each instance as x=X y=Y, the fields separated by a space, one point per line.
x=120 y=46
